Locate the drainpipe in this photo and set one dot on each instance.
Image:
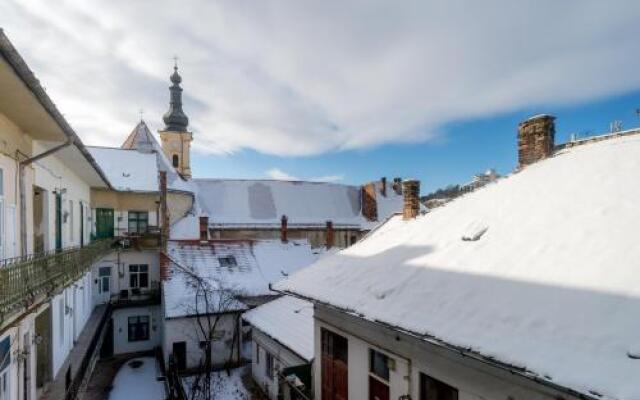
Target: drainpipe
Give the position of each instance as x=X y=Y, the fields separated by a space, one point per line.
x=23 y=203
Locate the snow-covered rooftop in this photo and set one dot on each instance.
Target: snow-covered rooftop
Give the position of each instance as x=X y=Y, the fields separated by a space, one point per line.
x=127 y=170
x=255 y=265
x=538 y=270
x=263 y=203
x=136 y=166
x=288 y=320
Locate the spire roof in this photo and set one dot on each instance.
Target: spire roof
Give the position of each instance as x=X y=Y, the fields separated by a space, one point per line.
x=175 y=119
x=140 y=139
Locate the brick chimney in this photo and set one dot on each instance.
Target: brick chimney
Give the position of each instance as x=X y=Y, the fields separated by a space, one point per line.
x=164 y=211
x=329 y=234
x=369 y=202
x=383 y=186
x=284 y=221
x=204 y=228
x=536 y=138
x=411 y=190
x=397 y=185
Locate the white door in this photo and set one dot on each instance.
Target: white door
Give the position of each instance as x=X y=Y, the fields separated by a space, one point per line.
x=104 y=284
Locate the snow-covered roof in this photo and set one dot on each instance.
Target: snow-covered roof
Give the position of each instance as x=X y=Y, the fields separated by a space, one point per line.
x=289 y=321
x=539 y=270
x=127 y=170
x=136 y=165
x=230 y=202
x=257 y=264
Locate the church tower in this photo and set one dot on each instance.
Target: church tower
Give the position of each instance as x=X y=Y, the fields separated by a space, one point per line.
x=176 y=140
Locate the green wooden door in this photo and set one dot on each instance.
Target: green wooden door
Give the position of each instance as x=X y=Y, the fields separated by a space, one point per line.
x=58 y=221
x=104 y=223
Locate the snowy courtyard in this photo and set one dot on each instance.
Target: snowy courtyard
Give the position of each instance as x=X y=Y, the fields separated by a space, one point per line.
x=136 y=379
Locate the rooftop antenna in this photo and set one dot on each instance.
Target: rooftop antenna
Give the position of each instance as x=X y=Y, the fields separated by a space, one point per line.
x=141 y=112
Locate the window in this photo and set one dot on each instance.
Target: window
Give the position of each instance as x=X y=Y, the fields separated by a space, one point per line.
x=138 y=328
x=138 y=221
x=227 y=261
x=175 y=161
x=138 y=276
x=378 y=364
x=334 y=366
x=269 y=365
x=433 y=389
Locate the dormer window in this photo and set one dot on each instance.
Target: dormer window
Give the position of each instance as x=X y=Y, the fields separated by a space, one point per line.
x=175 y=161
x=227 y=261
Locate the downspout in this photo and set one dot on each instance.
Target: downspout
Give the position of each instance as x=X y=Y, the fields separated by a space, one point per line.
x=23 y=204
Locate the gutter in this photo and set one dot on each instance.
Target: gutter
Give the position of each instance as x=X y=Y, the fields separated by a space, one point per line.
x=13 y=58
x=464 y=352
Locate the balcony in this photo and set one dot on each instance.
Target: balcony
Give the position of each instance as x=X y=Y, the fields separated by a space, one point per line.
x=148 y=239
x=26 y=280
x=137 y=297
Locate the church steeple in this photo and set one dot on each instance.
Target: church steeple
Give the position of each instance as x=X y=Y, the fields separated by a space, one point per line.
x=175 y=119
x=175 y=138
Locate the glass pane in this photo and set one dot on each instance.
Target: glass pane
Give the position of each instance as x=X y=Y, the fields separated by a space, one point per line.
x=144 y=280
x=379 y=365
x=143 y=268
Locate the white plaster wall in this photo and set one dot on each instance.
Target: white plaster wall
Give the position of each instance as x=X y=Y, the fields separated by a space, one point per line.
x=474 y=380
x=119 y=263
x=19 y=349
x=120 y=317
x=283 y=358
x=67 y=326
x=51 y=174
x=186 y=330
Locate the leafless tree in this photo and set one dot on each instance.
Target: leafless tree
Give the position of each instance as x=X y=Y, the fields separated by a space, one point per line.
x=210 y=302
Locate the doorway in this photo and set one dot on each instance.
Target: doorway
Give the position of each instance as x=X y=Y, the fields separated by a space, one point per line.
x=334 y=369
x=43 y=349
x=40 y=218
x=104 y=223
x=104 y=284
x=58 y=221
x=180 y=355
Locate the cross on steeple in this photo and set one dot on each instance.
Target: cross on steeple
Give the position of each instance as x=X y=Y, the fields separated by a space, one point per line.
x=141 y=112
x=175 y=62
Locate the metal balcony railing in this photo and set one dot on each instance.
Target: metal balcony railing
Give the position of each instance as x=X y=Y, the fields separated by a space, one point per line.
x=24 y=279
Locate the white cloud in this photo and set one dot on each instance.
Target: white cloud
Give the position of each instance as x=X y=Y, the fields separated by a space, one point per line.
x=296 y=78
x=277 y=173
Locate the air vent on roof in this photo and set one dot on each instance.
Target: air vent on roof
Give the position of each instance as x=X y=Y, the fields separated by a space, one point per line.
x=474 y=231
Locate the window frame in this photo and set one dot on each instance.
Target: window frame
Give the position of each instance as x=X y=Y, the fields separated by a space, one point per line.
x=386 y=359
x=134 y=329
x=138 y=276
x=269 y=365
x=422 y=382
x=140 y=220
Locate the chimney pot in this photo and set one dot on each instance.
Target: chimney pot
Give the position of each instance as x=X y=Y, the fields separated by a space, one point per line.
x=284 y=221
x=536 y=139
x=329 y=234
x=397 y=185
x=204 y=228
x=369 y=202
x=411 y=191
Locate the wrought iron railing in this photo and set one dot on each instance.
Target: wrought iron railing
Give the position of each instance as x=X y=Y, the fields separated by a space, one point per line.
x=24 y=279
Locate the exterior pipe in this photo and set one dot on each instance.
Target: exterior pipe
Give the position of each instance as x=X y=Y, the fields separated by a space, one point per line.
x=23 y=197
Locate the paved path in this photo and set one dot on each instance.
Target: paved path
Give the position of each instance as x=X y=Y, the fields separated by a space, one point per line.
x=56 y=389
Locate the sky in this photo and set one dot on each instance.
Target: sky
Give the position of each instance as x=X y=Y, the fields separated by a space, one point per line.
x=342 y=91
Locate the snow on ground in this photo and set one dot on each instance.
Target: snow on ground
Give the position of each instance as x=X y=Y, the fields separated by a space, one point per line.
x=288 y=320
x=226 y=386
x=538 y=270
x=137 y=383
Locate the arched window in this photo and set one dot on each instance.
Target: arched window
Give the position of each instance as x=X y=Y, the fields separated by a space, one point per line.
x=175 y=160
